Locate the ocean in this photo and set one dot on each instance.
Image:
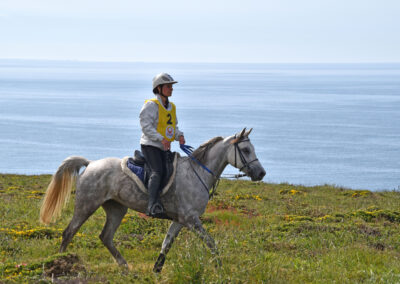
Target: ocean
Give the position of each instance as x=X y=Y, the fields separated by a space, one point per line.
x=312 y=123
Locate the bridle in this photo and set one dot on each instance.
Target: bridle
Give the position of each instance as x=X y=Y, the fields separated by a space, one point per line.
x=242 y=158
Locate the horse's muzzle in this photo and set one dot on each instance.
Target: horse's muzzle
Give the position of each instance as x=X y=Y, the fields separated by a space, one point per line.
x=257 y=175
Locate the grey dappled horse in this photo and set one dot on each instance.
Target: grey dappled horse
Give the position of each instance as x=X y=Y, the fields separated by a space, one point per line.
x=103 y=183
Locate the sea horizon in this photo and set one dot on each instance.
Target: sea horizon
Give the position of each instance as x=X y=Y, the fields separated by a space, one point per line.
x=201 y=62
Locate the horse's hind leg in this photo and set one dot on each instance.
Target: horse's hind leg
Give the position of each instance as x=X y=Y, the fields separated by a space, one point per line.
x=82 y=212
x=173 y=232
x=115 y=212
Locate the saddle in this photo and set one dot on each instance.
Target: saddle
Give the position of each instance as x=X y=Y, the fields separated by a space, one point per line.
x=137 y=168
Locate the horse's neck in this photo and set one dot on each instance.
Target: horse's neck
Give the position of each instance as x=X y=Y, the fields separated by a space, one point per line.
x=216 y=159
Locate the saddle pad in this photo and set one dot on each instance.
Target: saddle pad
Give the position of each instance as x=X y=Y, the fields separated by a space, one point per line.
x=139 y=182
x=138 y=170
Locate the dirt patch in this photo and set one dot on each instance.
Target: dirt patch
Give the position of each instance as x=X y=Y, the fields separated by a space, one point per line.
x=378 y=246
x=143 y=216
x=279 y=246
x=227 y=215
x=369 y=231
x=249 y=212
x=69 y=264
x=221 y=207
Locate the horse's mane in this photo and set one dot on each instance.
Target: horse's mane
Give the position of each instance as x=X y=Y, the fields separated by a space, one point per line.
x=200 y=153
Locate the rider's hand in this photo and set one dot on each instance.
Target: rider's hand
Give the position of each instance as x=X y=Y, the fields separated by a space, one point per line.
x=182 y=140
x=166 y=144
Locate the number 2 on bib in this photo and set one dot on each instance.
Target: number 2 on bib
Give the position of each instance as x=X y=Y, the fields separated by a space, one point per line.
x=169 y=119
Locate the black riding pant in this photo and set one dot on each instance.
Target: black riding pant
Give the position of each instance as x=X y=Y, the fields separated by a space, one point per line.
x=156 y=160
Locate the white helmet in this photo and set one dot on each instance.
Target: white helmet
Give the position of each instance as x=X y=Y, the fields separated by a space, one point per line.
x=160 y=79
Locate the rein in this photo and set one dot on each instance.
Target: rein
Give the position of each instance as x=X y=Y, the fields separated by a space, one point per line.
x=189 y=151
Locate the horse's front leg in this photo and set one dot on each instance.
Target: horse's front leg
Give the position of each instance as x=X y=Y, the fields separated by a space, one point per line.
x=198 y=228
x=173 y=232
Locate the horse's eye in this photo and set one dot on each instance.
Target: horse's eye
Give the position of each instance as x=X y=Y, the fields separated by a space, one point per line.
x=246 y=150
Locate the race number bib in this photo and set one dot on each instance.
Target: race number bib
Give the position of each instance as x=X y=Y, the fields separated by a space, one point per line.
x=166 y=121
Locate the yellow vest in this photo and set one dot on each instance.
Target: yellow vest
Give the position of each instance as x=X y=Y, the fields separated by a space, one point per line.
x=166 y=120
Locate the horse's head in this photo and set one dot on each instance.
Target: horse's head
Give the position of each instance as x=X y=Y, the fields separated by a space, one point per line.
x=242 y=156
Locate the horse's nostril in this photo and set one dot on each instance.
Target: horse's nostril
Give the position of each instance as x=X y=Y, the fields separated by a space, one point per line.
x=261 y=175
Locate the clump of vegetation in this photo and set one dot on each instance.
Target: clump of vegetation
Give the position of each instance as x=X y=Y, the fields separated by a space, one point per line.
x=330 y=218
x=357 y=193
x=294 y=218
x=34 y=233
x=369 y=216
x=290 y=192
x=266 y=233
x=248 y=196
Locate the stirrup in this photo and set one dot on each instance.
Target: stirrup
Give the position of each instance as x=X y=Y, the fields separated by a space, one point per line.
x=156 y=209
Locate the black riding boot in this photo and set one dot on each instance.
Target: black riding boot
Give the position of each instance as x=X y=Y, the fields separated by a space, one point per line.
x=154 y=206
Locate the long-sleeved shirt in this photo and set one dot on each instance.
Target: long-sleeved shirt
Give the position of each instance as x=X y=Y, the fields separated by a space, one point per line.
x=149 y=121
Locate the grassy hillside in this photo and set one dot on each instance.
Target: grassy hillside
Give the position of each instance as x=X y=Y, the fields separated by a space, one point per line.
x=271 y=233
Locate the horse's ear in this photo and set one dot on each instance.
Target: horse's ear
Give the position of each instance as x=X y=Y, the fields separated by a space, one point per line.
x=238 y=137
x=248 y=133
x=242 y=133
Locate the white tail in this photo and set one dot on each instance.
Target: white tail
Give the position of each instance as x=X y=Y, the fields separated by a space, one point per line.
x=59 y=189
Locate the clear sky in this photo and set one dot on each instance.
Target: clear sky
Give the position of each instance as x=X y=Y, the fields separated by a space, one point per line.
x=202 y=31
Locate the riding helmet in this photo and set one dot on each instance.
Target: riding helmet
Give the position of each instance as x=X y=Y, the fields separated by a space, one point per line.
x=160 y=79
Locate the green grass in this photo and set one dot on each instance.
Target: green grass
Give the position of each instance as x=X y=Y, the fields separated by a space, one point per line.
x=266 y=233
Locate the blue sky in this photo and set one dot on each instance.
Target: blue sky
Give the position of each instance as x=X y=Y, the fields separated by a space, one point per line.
x=202 y=31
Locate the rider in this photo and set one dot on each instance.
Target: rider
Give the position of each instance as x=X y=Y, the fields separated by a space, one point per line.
x=159 y=128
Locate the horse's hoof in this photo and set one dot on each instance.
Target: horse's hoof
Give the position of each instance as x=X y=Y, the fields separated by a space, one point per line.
x=159 y=263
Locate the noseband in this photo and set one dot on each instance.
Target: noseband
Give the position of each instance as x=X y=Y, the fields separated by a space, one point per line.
x=242 y=158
